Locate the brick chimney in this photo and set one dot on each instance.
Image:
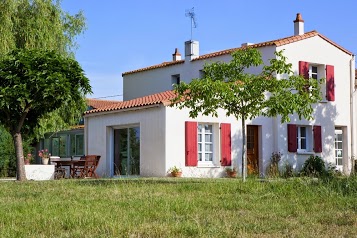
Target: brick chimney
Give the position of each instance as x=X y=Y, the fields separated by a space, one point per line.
x=176 y=56
x=298 y=25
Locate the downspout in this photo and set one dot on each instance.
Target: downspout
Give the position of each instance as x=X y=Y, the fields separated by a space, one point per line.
x=352 y=88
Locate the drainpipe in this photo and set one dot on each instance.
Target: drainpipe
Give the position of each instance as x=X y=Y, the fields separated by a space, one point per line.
x=352 y=88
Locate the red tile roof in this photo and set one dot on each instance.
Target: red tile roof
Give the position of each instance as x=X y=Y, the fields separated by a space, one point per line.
x=97 y=103
x=278 y=42
x=162 y=65
x=158 y=98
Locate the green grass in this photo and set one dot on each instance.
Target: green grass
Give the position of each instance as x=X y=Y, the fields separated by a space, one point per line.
x=179 y=208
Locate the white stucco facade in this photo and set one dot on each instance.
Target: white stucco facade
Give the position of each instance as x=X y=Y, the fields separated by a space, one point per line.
x=162 y=128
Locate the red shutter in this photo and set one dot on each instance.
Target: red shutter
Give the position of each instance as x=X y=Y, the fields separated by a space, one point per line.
x=226 y=157
x=330 y=83
x=292 y=138
x=304 y=69
x=317 y=139
x=191 y=143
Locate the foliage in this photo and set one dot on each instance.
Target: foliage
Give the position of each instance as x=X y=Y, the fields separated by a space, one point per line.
x=153 y=207
x=42 y=24
x=314 y=166
x=273 y=167
x=227 y=85
x=44 y=153
x=231 y=169
x=7 y=154
x=174 y=169
x=34 y=83
x=38 y=24
x=288 y=171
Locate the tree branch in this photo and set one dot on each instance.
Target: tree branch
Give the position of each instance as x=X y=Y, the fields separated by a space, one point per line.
x=23 y=117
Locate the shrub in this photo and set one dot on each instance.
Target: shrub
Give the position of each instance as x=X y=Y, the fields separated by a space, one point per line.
x=314 y=166
x=273 y=167
x=288 y=170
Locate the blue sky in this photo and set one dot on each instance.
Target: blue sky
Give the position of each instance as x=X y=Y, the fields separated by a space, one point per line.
x=126 y=35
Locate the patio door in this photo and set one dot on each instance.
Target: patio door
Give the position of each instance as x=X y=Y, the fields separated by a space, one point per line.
x=252 y=150
x=127 y=151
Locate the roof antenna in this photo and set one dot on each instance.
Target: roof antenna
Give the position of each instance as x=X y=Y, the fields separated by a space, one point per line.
x=191 y=13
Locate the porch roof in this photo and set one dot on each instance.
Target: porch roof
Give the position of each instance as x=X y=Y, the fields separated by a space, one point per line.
x=157 y=98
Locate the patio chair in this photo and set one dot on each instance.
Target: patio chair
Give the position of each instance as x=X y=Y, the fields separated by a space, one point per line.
x=77 y=168
x=59 y=171
x=90 y=165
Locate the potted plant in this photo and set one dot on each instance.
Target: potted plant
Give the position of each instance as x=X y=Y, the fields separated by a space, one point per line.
x=28 y=159
x=44 y=155
x=231 y=172
x=175 y=171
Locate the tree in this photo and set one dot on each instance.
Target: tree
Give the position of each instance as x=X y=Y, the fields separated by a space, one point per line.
x=38 y=24
x=41 y=24
x=32 y=84
x=227 y=85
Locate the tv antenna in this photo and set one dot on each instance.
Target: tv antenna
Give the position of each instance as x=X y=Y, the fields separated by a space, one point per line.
x=191 y=13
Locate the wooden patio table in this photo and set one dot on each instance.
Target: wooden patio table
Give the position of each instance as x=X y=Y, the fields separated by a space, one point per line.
x=72 y=164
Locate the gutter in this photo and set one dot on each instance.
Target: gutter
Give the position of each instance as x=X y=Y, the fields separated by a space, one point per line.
x=352 y=122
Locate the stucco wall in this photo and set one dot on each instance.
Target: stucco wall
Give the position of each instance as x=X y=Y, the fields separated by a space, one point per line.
x=100 y=138
x=175 y=141
x=158 y=80
x=327 y=114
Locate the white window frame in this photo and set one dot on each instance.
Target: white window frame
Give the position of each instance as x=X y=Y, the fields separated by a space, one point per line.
x=321 y=73
x=203 y=142
x=338 y=131
x=308 y=139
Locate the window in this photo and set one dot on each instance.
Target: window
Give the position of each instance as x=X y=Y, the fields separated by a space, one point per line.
x=202 y=74
x=302 y=138
x=175 y=79
x=313 y=72
x=319 y=71
x=77 y=144
x=338 y=146
x=205 y=143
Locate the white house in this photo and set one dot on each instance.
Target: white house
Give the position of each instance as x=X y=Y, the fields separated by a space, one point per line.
x=144 y=136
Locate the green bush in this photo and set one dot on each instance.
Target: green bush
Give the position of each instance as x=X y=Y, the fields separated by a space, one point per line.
x=288 y=170
x=273 y=167
x=314 y=166
x=7 y=154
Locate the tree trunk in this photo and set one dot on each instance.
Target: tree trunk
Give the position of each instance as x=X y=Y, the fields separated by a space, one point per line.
x=244 y=152
x=20 y=166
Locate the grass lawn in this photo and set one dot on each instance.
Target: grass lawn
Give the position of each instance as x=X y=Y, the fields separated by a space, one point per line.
x=170 y=207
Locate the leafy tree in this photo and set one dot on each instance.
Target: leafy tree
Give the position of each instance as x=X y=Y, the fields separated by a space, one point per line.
x=32 y=84
x=227 y=85
x=40 y=24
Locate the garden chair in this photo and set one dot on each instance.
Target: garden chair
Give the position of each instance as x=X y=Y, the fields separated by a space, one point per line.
x=77 y=168
x=90 y=165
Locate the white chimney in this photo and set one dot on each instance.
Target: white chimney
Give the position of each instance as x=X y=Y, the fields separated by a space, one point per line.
x=298 y=25
x=191 y=49
x=246 y=44
x=176 y=56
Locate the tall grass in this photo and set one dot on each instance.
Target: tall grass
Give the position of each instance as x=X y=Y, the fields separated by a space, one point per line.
x=179 y=208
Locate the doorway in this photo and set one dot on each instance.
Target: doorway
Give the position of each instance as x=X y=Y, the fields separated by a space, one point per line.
x=252 y=150
x=126 y=151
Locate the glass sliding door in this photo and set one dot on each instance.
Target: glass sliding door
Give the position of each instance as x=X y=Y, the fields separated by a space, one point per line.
x=127 y=151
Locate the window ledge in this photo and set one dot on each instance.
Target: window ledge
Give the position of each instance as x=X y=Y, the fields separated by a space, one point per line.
x=208 y=166
x=305 y=152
